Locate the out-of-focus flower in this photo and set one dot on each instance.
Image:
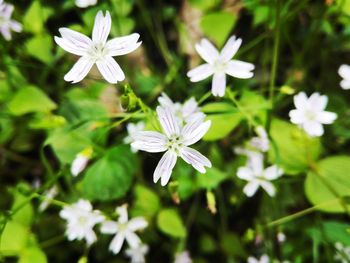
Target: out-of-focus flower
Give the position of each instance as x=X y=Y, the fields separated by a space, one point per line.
x=309 y=113
x=81 y=220
x=220 y=64
x=264 y=259
x=6 y=23
x=174 y=141
x=281 y=237
x=133 y=128
x=185 y=113
x=344 y=72
x=261 y=142
x=137 y=254
x=123 y=229
x=81 y=161
x=257 y=177
x=253 y=157
x=50 y=194
x=343 y=253
x=183 y=257
x=85 y=3
x=97 y=50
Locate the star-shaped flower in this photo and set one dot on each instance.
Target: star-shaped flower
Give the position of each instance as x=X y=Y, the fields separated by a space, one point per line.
x=123 y=229
x=220 y=64
x=310 y=114
x=6 y=23
x=344 y=72
x=97 y=50
x=174 y=141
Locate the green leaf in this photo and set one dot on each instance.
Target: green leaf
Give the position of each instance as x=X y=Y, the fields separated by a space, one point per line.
x=40 y=47
x=13 y=239
x=204 y=4
x=330 y=181
x=32 y=254
x=211 y=179
x=35 y=17
x=6 y=129
x=47 y=121
x=218 y=107
x=147 y=202
x=254 y=104
x=217 y=26
x=337 y=232
x=110 y=177
x=294 y=150
x=30 y=99
x=25 y=212
x=170 y=223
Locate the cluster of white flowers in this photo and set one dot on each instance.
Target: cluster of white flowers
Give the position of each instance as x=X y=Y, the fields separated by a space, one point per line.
x=6 y=23
x=81 y=219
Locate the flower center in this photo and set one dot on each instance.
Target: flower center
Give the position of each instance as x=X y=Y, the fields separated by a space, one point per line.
x=82 y=220
x=97 y=51
x=310 y=115
x=219 y=66
x=175 y=143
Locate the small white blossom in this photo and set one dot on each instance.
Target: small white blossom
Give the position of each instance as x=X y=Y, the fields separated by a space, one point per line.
x=344 y=72
x=97 y=50
x=123 y=229
x=85 y=3
x=133 y=128
x=310 y=114
x=6 y=23
x=257 y=177
x=137 y=254
x=50 y=194
x=261 y=142
x=81 y=220
x=220 y=64
x=253 y=157
x=185 y=113
x=264 y=259
x=174 y=141
x=183 y=257
x=343 y=253
x=80 y=161
x=281 y=237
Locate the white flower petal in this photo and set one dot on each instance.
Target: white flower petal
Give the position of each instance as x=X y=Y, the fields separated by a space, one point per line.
x=137 y=223
x=313 y=128
x=194 y=131
x=165 y=101
x=345 y=84
x=251 y=188
x=102 y=27
x=117 y=242
x=132 y=239
x=218 y=85
x=123 y=45
x=15 y=26
x=195 y=158
x=300 y=100
x=168 y=121
x=79 y=71
x=230 y=49
x=317 y=101
x=245 y=173
x=240 y=69
x=297 y=116
x=344 y=71
x=272 y=172
x=73 y=41
x=165 y=167
x=110 y=70
x=207 y=51
x=326 y=117
x=109 y=227
x=201 y=72
x=150 y=141
x=90 y=237
x=269 y=188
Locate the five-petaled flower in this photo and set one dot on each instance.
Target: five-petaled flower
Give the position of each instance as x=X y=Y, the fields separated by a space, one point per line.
x=81 y=220
x=97 y=50
x=124 y=230
x=344 y=72
x=257 y=176
x=6 y=23
x=220 y=64
x=310 y=114
x=174 y=142
x=137 y=254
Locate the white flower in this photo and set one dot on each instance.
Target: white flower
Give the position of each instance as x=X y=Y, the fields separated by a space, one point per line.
x=137 y=254
x=85 y=3
x=253 y=157
x=174 y=142
x=80 y=221
x=220 y=64
x=81 y=161
x=6 y=23
x=257 y=176
x=281 y=237
x=124 y=230
x=133 y=128
x=309 y=113
x=50 y=194
x=343 y=253
x=344 y=72
x=264 y=259
x=183 y=257
x=97 y=50
x=261 y=142
x=185 y=113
